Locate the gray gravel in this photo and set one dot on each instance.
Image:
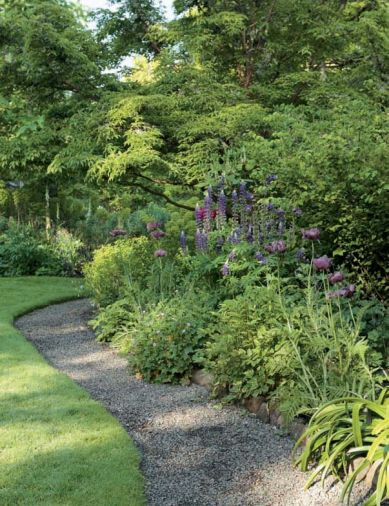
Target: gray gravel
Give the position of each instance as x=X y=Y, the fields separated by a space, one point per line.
x=193 y=452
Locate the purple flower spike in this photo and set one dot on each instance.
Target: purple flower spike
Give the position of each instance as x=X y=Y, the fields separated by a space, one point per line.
x=235 y=204
x=336 y=277
x=201 y=240
x=249 y=196
x=183 y=241
x=157 y=234
x=276 y=247
x=270 y=206
x=160 y=253
x=225 y=270
x=222 y=208
x=208 y=212
x=261 y=258
x=322 y=263
x=297 y=212
x=199 y=216
x=311 y=233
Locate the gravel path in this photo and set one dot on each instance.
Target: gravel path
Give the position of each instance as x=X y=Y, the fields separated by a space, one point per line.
x=193 y=453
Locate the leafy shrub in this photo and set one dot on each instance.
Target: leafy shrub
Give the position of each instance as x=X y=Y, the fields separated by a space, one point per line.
x=21 y=252
x=113 y=323
x=67 y=249
x=246 y=350
x=117 y=266
x=349 y=433
x=165 y=338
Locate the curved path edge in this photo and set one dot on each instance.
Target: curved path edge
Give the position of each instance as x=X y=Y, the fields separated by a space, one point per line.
x=193 y=453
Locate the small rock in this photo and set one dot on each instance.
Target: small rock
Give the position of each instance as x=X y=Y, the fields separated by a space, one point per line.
x=263 y=413
x=203 y=378
x=253 y=404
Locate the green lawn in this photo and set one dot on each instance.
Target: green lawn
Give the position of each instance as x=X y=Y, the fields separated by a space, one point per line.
x=57 y=445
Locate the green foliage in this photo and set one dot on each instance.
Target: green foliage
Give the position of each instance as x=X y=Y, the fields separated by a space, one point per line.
x=163 y=341
x=118 y=267
x=347 y=437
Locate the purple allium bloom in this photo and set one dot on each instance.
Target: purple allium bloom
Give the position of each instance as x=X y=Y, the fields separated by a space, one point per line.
x=183 y=242
x=269 y=179
x=300 y=255
x=117 y=232
x=232 y=256
x=222 y=208
x=225 y=270
x=347 y=292
x=322 y=263
x=310 y=233
x=157 y=234
x=297 y=211
x=276 y=247
x=335 y=277
x=152 y=225
x=261 y=258
x=160 y=253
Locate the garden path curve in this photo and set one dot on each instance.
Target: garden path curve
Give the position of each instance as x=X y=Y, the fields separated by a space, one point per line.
x=193 y=453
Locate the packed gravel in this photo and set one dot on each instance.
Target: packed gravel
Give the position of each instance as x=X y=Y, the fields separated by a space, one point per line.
x=193 y=452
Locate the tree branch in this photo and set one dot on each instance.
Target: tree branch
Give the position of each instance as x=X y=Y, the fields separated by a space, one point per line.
x=161 y=194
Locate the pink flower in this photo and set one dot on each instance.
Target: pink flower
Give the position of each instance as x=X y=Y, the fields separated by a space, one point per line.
x=322 y=263
x=152 y=225
x=347 y=291
x=160 y=253
x=335 y=277
x=157 y=234
x=311 y=233
x=276 y=247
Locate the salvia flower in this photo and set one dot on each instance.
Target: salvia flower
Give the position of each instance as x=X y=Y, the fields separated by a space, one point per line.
x=335 y=277
x=310 y=233
x=261 y=258
x=160 y=253
x=152 y=225
x=117 y=232
x=157 y=234
x=297 y=212
x=276 y=247
x=225 y=270
x=322 y=263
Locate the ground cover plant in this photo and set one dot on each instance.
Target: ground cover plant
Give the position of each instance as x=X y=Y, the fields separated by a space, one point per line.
x=57 y=445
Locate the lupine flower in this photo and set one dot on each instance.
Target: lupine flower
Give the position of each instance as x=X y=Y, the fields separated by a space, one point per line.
x=201 y=240
x=207 y=212
x=235 y=205
x=152 y=225
x=210 y=193
x=183 y=241
x=225 y=270
x=232 y=256
x=300 y=255
x=297 y=211
x=322 y=263
x=160 y=253
x=249 y=196
x=199 y=215
x=117 y=232
x=243 y=190
x=261 y=258
x=310 y=233
x=219 y=244
x=347 y=292
x=335 y=277
x=214 y=213
x=269 y=179
x=157 y=234
x=276 y=247
x=222 y=208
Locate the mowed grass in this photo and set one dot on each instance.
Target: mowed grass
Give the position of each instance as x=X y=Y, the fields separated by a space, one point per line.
x=57 y=445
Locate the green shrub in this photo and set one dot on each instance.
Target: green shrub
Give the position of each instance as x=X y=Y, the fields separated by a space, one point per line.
x=117 y=266
x=165 y=338
x=349 y=433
